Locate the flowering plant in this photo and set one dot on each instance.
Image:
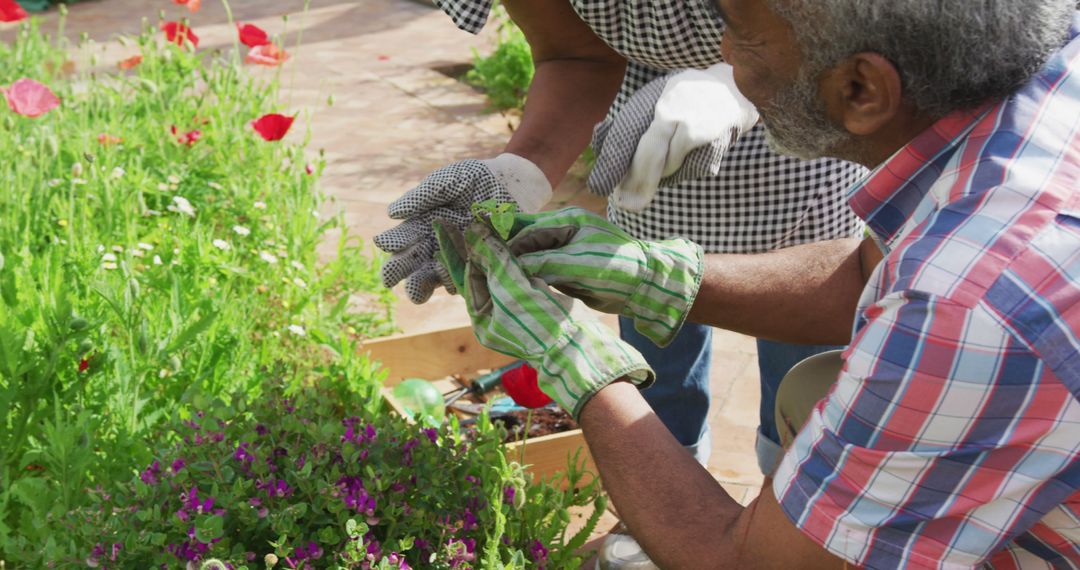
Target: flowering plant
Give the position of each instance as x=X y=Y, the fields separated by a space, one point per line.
x=319 y=478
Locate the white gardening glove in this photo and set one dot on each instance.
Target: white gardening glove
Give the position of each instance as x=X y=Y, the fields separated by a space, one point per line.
x=675 y=128
x=449 y=193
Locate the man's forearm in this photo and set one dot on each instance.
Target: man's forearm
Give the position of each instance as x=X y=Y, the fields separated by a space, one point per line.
x=670 y=503
x=567 y=98
x=802 y=294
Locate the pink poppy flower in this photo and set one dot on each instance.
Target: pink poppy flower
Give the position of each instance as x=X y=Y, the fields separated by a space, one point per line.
x=189 y=138
x=272 y=127
x=108 y=140
x=10 y=11
x=192 y=5
x=30 y=98
x=179 y=33
x=267 y=54
x=252 y=35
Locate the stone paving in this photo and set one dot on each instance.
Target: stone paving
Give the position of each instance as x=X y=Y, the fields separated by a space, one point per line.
x=394 y=118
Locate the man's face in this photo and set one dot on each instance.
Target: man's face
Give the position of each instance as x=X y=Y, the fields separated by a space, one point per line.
x=768 y=70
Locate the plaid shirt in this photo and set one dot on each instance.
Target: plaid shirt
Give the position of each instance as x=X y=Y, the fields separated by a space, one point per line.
x=952 y=437
x=759 y=200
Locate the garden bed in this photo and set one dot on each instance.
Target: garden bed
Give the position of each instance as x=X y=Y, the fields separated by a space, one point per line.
x=439 y=356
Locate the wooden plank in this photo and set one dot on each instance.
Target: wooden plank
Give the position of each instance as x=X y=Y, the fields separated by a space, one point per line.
x=550 y=454
x=433 y=355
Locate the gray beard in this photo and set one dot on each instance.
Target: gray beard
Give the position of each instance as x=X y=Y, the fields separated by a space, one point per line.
x=796 y=123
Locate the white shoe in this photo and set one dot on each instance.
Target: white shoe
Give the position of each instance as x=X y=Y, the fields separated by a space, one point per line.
x=621 y=552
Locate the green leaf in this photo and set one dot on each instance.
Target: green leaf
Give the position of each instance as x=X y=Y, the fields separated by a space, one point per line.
x=208 y=528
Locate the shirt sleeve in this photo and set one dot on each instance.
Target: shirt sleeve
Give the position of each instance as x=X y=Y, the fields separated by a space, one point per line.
x=943 y=439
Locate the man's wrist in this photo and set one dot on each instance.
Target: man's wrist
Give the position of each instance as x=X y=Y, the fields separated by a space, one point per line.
x=522 y=179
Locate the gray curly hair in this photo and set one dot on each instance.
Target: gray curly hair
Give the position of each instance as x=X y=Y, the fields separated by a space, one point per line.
x=951 y=54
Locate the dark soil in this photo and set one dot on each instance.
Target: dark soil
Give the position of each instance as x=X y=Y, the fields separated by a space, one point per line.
x=545 y=421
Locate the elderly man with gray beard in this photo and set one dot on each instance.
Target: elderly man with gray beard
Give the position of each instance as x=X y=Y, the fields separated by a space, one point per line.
x=948 y=434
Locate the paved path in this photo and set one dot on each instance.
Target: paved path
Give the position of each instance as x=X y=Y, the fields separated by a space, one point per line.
x=395 y=118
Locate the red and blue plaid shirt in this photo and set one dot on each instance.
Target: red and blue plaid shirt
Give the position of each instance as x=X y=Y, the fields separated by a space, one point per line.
x=952 y=437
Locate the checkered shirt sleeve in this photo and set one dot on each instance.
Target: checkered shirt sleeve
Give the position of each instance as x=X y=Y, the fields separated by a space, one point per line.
x=912 y=461
x=759 y=200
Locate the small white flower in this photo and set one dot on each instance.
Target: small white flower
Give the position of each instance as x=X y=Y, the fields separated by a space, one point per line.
x=101 y=249
x=268 y=257
x=55 y=182
x=173 y=179
x=163 y=187
x=299 y=282
x=176 y=251
x=241 y=231
x=315 y=213
x=118 y=173
x=181 y=205
x=221 y=244
x=137 y=252
x=78 y=181
x=297 y=266
x=109 y=265
x=259 y=205
x=150 y=212
x=157 y=260
x=108 y=257
x=118 y=249
x=215 y=185
x=143 y=245
x=77 y=169
x=297 y=330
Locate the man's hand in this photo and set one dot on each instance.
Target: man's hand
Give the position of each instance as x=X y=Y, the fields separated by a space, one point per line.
x=675 y=128
x=515 y=315
x=448 y=194
x=587 y=257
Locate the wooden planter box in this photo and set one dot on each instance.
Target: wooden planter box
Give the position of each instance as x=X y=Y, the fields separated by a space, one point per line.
x=437 y=355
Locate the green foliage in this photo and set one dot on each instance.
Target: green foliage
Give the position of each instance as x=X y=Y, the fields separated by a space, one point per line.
x=505 y=74
x=318 y=478
x=501 y=215
x=144 y=276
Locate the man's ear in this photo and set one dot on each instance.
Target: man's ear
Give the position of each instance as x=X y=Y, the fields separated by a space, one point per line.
x=863 y=93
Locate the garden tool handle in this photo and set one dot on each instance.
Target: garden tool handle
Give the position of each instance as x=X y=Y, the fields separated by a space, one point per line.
x=485 y=383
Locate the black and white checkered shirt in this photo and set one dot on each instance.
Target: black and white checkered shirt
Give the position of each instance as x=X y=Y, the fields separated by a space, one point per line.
x=759 y=200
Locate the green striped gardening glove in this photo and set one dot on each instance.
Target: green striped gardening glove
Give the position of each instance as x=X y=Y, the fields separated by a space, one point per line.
x=522 y=317
x=585 y=256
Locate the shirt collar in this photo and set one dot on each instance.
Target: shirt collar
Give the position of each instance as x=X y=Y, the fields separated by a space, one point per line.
x=888 y=196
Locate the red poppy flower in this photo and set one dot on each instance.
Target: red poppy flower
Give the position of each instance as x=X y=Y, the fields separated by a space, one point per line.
x=10 y=11
x=252 y=35
x=268 y=54
x=84 y=365
x=30 y=98
x=192 y=5
x=130 y=62
x=189 y=138
x=521 y=384
x=179 y=33
x=309 y=168
x=272 y=127
x=108 y=140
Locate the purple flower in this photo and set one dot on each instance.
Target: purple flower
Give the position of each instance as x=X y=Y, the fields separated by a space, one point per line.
x=539 y=553
x=462 y=550
x=98 y=552
x=508 y=494
x=242 y=453
x=431 y=434
x=355 y=434
x=151 y=473
x=355 y=496
x=468 y=521
x=312 y=551
x=191 y=502
x=275 y=488
x=177 y=465
x=261 y=429
x=395 y=558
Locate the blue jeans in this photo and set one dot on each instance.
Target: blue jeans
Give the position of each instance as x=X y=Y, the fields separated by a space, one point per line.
x=680 y=396
x=775 y=359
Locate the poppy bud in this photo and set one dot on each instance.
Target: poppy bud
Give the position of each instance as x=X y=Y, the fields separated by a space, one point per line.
x=78 y=324
x=174 y=363
x=85 y=346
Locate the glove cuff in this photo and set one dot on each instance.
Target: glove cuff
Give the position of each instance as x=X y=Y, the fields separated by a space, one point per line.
x=660 y=304
x=522 y=179
x=588 y=357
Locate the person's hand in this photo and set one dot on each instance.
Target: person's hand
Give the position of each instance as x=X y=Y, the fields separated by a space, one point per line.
x=449 y=193
x=575 y=357
x=587 y=257
x=675 y=128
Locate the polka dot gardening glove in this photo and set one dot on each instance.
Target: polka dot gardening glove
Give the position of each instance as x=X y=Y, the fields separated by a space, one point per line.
x=448 y=194
x=587 y=257
x=675 y=128
x=513 y=314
